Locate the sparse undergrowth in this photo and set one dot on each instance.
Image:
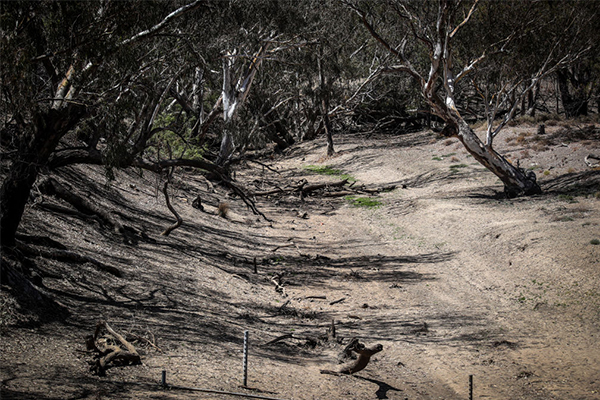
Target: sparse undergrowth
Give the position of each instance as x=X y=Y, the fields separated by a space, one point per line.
x=365 y=202
x=329 y=170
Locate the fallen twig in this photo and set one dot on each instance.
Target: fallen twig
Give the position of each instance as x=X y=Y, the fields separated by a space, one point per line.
x=337 y=301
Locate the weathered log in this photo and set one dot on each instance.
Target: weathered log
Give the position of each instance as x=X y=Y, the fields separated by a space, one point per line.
x=364 y=356
x=111 y=353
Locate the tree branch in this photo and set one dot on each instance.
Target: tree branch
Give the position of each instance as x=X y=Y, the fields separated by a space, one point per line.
x=162 y=24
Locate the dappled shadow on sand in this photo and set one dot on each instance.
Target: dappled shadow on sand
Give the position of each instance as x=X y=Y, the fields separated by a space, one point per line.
x=84 y=387
x=197 y=289
x=587 y=182
x=324 y=272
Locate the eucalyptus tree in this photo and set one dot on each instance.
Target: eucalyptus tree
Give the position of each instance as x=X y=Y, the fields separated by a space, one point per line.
x=500 y=50
x=74 y=73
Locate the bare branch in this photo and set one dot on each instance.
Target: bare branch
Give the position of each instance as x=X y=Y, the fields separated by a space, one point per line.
x=473 y=7
x=407 y=67
x=162 y=24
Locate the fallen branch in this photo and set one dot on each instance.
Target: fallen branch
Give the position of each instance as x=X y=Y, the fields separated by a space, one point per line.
x=337 y=301
x=279 y=338
x=243 y=196
x=306 y=189
x=364 y=356
x=277 y=281
x=109 y=349
x=143 y=339
x=282 y=246
x=311 y=188
x=592 y=164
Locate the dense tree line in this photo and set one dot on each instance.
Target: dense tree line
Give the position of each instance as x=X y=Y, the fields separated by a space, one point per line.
x=161 y=84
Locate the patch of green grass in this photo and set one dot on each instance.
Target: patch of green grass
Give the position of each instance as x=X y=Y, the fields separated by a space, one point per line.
x=366 y=202
x=455 y=167
x=567 y=197
x=436 y=158
x=565 y=219
x=595 y=242
x=328 y=170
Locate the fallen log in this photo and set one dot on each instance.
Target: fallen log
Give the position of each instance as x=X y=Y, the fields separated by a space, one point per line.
x=364 y=356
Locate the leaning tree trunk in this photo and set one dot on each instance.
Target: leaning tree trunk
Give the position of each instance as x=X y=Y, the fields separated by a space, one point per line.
x=516 y=180
x=48 y=129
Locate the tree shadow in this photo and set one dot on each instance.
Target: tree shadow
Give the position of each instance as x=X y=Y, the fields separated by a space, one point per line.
x=587 y=182
x=383 y=388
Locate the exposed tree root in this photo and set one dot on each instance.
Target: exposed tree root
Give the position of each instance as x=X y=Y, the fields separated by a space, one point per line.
x=68 y=256
x=179 y=221
x=85 y=207
x=111 y=348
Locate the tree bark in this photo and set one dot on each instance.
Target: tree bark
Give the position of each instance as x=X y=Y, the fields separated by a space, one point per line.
x=48 y=129
x=516 y=181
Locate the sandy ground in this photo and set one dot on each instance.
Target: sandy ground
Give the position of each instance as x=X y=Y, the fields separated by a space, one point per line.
x=450 y=277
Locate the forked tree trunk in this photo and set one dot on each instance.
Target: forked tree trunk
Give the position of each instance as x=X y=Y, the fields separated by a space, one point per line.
x=516 y=180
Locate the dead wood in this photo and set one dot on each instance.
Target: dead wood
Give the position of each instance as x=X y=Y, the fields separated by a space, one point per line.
x=592 y=160
x=318 y=186
x=364 y=356
x=239 y=192
x=282 y=246
x=111 y=348
x=305 y=189
x=277 y=280
x=331 y=333
x=132 y=336
x=346 y=354
x=339 y=194
x=279 y=338
x=337 y=301
x=68 y=256
x=179 y=221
